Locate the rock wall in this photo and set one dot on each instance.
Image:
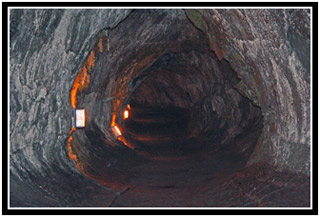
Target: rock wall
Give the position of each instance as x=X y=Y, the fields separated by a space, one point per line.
x=47 y=49
x=270 y=52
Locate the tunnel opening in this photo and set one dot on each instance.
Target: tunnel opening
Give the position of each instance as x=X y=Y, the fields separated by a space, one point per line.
x=186 y=122
x=192 y=123
x=175 y=109
x=158 y=130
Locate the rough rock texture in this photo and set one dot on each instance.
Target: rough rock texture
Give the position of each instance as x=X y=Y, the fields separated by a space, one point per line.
x=185 y=79
x=270 y=52
x=223 y=68
x=47 y=48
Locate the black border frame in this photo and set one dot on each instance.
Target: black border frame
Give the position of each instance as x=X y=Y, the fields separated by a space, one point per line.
x=158 y=211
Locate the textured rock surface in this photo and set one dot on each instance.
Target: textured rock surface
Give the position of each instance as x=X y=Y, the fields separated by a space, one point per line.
x=187 y=76
x=270 y=51
x=267 y=49
x=47 y=48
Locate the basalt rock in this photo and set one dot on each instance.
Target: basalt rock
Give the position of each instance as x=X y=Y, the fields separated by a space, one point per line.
x=219 y=107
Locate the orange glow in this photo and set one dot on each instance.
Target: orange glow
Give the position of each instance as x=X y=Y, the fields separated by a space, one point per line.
x=125 y=114
x=69 y=149
x=100 y=45
x=80 y=84
x=113 y=120
x=128 y=106
x=82 y=80
x=82 y=169
x=123 y=140
x=116 y=131
x=108 y=44
x=72 y=129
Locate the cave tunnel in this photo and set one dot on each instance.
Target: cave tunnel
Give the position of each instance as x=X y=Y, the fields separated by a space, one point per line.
x=183 y=108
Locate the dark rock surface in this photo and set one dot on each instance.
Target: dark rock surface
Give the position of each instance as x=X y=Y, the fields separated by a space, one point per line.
x=47 y=48
x=269 y=50
x=233 y=84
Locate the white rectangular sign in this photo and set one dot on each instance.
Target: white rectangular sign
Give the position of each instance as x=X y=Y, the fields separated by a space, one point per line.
x=80 y=118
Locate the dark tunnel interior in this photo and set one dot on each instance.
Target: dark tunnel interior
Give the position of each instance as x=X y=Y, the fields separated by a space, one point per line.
x=187 y=122
x=168 y=121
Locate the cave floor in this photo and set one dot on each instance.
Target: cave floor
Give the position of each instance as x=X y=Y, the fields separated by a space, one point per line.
x=256 y=186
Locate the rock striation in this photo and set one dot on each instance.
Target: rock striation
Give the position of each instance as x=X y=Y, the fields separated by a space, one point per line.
x=237 y=82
